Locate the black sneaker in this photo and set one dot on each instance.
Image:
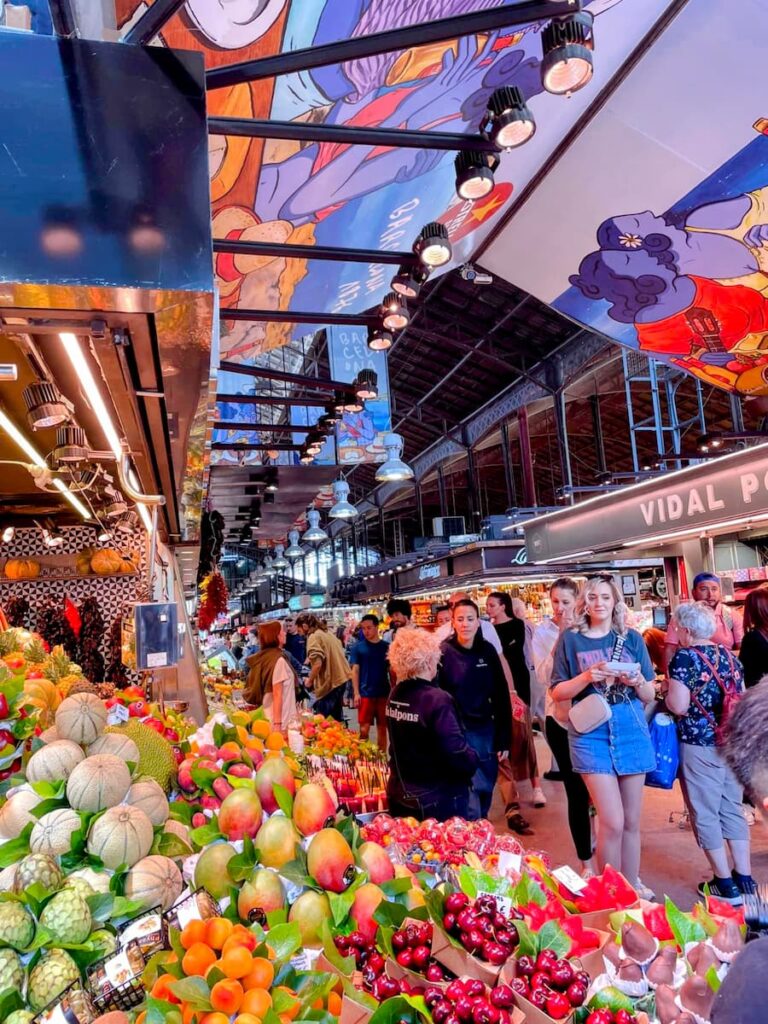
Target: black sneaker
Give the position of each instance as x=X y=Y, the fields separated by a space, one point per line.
x=722 y=889
x=746 y=884
x=551 y=776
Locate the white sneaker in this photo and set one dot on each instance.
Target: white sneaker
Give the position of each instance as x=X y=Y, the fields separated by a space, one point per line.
x=644 y=892
x=749 y=814
x=539 y=800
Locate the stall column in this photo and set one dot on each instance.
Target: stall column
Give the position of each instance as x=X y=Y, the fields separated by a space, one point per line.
x=526 y=459
x=506 y=459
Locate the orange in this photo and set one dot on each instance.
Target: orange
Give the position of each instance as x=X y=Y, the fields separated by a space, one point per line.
x=161 y=990
x=217 y=931
x=198 y=959
x=236 y=962
x=246 y=1018
x=256 y=1001
x=193 y=932
x=227 y=996
x=261 y=975
x=334 y=1003
x=261 y=728
x=295 y=1006
x=242 y=937
x=275 y=741
x=215 y=1018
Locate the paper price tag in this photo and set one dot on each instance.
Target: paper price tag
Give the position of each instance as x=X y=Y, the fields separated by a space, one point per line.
x=503 y=903
x=157 y=659
x=118 y=714
x=568 y=877
x=510 y=863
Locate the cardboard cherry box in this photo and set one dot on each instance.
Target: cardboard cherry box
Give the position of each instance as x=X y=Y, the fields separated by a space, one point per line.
x=353 y=1011
x=462 y=963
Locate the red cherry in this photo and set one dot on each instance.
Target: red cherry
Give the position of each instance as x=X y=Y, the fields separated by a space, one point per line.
x=502 y=996
x=558 y=1005
x=473 y=987
x=576 y=993
x=623 y=1017
x=405 y=957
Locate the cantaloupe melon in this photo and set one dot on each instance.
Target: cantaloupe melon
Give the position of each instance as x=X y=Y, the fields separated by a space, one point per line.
x=149 y=796
x=98 y=782
x=52 y=833
x=54 y=761
x=178 y=828
x=122 y=835
x=98 y=880
x=15 y=814
x=156 y=881
x=117 y=744
x=81 y=718
x=49 y=735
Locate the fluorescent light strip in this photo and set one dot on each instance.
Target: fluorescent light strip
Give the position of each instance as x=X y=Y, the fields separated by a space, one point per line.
x=694 y=530
x=34 y=456
x=92 y=393
x=562 y=558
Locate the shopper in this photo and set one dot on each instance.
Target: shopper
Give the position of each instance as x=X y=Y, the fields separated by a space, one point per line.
x=329 y=670
x=442 y=615
x=753 y=653
x=522 y=763
x=487 y=629
x=471 y=671
x=563 y=595
x=613 y=757
x=399 y=612
x=431 y=760
x=370 y=679
x=295 y=642
x=655 y=640
x=730 y=627
x=271 y=680
x=701 y=674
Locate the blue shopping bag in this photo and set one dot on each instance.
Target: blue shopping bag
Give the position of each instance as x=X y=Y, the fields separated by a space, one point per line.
x=666 y=746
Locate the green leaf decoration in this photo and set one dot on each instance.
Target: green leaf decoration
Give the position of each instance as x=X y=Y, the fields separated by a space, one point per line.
x=237 y=783
x=712 y=979
x=183 y=812
x=297 y=871
x=528 y=891
x=45 y=806
x=206 y=834
x=159 y=1010
x=204 y=778
x=194 y=991
x=396 y=887
x=283 y=1001
x=242 y=864
x=214 y=975
x=13 y=850
x=400 y=1008
x=101 y=904
x=552 y=936
x=168 y=844
x=283 y=798
x=10 y=1000
x=284 y=939
x=174 y=938
x=351 y=831
x=527 y=944
x=683 y=926
x=390 y=914
x=345 y=965
x=50 y=790
x=341 y=903
x=219 y=736
x=277 y=917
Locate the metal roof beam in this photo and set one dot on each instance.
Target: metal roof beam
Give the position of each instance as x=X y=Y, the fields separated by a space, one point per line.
x=287 y=250
x=310 y=401
x=241 y=446
x=401 y=38
x=151 y=22
x=282 y=316
x=267 y=373
x=275 y=428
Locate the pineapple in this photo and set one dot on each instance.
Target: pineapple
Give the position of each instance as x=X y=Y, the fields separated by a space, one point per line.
x=35 y=652
x=9 y=642
x=60 y=670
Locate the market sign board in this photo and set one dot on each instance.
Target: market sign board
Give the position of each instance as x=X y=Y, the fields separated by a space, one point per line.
x=730 y=492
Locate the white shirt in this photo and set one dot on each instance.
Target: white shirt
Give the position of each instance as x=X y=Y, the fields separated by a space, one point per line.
x=283 y=677
x=545 y=638
x=486 y=628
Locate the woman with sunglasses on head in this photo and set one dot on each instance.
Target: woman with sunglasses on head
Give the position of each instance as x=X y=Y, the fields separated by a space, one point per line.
x=608 y=738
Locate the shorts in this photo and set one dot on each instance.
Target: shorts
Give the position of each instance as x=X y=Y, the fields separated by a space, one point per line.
x=372 y=709
x=620 y=746
x=712 y=795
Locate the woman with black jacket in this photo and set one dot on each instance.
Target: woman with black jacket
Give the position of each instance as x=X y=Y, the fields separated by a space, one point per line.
x=431 y=762
x=753 y=654
x=472 y=673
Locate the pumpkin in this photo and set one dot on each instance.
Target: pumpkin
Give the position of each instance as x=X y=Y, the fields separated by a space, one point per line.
x=81 y=718
x=52 y=834
x=155 y=881
x=83 y=561
x=54 y=761
x=22 y=569
x=98 y=782
x=116 y=744
x=129 y=563
x=16 y=814
x=122 y=835
x=150 y=797
x=106 y=562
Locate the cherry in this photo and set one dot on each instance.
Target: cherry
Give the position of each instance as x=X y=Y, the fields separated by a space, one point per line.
x=449 y=922
x=473 y=987
x=405 y=957
x=499 y=921
x=369 y=977
x=623 y=1017
x=538 y=997
x=485 y=926
x=455 y=990
x=502 y=996
x=546 y=959
x=424 y=931
x=495 y=953
x=486 y=903
x=485 y=1013
x=508 y=936
x=526 y=965
x=440 y=1011
x=521 y=987
x=456 y=902
x=583 y=978
x=433 y=996
x=558 y=1005
x=466 y=919
x=399 y=940
x=357 y=939
x=434 y=972
x=341 y=942
x=601 y=1016
x=576 y=993
x=451 y=1019
x=473 y=940
x=420 y=956
x=463 y=1008
x=561 y=973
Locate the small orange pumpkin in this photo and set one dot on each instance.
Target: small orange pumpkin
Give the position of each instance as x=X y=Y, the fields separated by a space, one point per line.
x=106 y=562
x=22 y=569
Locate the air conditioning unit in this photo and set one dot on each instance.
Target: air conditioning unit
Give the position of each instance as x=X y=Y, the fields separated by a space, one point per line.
x=448 y=526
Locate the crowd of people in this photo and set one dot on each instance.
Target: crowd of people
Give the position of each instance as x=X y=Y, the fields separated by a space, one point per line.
x=456 y=708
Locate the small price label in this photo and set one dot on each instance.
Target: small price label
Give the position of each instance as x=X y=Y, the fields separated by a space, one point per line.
x=503 y=903
x=568 y=877
x=510 y=863
x=157 y=659
x=118 y=714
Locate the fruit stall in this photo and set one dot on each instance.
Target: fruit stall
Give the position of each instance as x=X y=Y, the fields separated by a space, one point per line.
x=155 y=871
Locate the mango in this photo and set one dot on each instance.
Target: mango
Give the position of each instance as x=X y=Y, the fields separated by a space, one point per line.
x=330 y=860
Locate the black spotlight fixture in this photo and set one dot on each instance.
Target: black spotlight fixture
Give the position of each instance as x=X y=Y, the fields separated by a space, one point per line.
x=353 y=403
x=71 y=445
x=432 y=246
x=314 y=443
x=474 y=174
x=305 y=458
x=340 y=399
x=366 y=385
x=508 y=122
x=326 y=423
x=567 y=45
x=45 y=405
x=394 y=312
x=408 y=281
x=379 y=339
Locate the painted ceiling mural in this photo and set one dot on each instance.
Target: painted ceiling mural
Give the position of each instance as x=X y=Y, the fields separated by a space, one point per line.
x=669 y=252
x=358 y=196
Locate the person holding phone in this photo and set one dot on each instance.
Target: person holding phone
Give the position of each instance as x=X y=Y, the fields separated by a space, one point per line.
x=615 y=754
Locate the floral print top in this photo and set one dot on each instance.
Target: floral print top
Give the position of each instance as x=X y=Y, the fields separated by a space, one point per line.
x=689 y=668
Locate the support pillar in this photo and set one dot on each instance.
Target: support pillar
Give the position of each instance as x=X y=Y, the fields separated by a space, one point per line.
x=441 y=492
x=473 y=502
x=419 y=507
x=506 y=460
x=526 y=458
x=597 y=429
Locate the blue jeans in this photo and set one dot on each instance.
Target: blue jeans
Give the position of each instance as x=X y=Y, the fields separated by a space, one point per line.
x=481 y=791
x=331 y=704
x=620 y=746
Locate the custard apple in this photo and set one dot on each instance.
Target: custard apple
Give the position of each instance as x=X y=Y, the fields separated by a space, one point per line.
x=81 y=886
x=11 y=971
x=67 y=917
x=98 y=880
x=38 y=867
x=20 y=1017
x=55 y=972
x=104 y=940
x=17 y=926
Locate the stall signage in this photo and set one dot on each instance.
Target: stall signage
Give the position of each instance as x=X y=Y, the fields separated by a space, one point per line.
x=429 y=572
x=714 y=495
x=504 y=556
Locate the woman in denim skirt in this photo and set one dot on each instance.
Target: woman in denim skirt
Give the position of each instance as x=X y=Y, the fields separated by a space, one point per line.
x=613 y=758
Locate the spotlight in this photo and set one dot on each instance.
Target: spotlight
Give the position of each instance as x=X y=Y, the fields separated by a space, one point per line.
x=271 y=482
x=394 y=312
x=432 y=246
x=52 y=537
x=331 y=416
x=353 y=403
x=709 y=442
x=293 y=550
x=305 y=458
x=366 y=385
x=314 y=534
x=567 y=45
x=340 y=400
x=474 y=174
x=508 y=122
x=126 y=523
x=379 y=340
x=327 y=423
x=342 y=508
x=45 y=405
x=279 y=561
x=394 y=468
x=71 y=445
x=407 y=282
x=102 y=534
x=116 y=506
x=8 y=534
x=314 y=442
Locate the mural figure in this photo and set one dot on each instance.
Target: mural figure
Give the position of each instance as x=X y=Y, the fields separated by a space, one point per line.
x=696 y=292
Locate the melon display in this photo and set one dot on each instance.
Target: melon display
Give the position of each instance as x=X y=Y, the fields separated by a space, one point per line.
x=52 y=834
x=116 y=744
x=81 y=718
x=98 y=782
x=150 y=797
x=122 y=835
x=49 y=735
x=156 y=881
x=16 y=814
x=43 y=695
x=177 y=828
x=54 y=761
